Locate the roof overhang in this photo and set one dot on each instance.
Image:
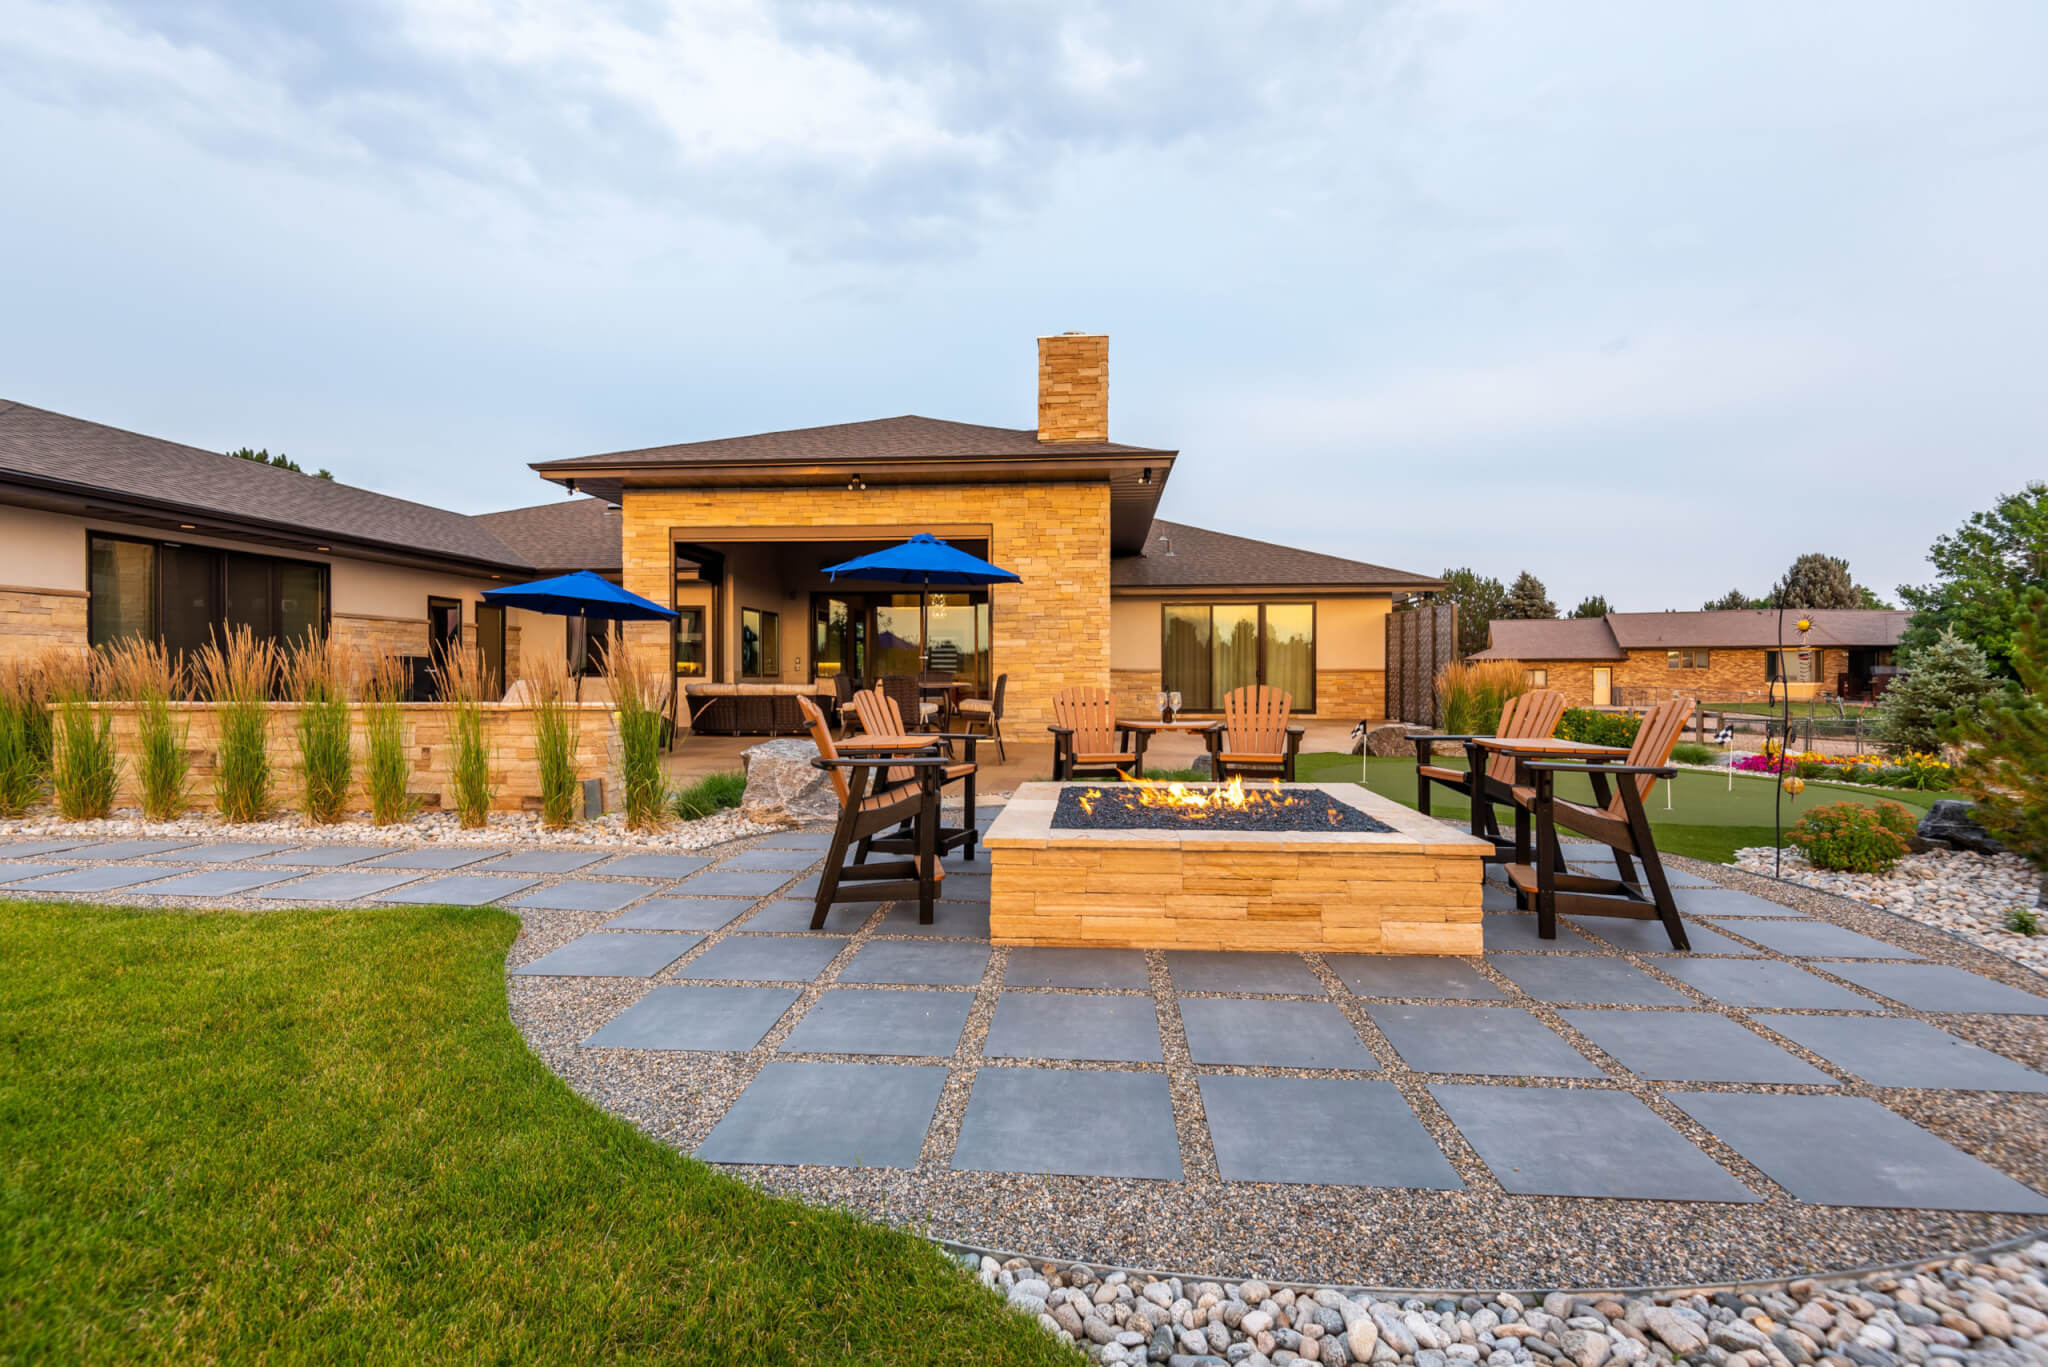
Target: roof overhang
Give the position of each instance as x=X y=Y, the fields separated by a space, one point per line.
x=1136 y=479
x=1215 y=592
x=58 y=496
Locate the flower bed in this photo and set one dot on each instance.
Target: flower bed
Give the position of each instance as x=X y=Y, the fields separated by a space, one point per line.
x=1918 y=770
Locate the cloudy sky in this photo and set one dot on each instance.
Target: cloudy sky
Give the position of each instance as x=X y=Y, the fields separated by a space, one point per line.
x=1646 y=298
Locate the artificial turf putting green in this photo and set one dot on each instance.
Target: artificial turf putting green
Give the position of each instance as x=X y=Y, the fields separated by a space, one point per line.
x=317 y=1136
x=1708 y=817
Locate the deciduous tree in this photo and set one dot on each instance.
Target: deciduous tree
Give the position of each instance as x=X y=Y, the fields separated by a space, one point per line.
x=1984 y=571
x=1479 y=599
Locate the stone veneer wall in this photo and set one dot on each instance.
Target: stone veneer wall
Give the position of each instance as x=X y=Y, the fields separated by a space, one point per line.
x=1051 y=631
x=32 y=620
x=508 y=730
x=1073 y=387
x=1341 y=694
x=1238 y=895
x=367 y=635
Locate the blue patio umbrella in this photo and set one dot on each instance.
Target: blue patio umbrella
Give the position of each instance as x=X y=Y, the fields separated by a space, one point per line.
x=923 y=560
x=584 y=595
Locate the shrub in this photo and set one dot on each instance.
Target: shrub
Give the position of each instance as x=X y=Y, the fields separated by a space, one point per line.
x=710 y=794
x=1471 y=695
x=318 y=673
x=1852 y=837
x=24 y=734
x=1588 y=727
x=1691 y=752
x=557 y=736
x=1942 y=688
x=2005 y=763
x=639 y=700
x=2023 y=921
x=83 y=769
x=239 y=674
x=387 y=759
x=460 y=677
x=150 y=676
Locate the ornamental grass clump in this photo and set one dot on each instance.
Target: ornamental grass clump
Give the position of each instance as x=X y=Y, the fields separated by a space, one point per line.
x=148 y=675
x=387 y=760
x=710 y=795
x=557 y=734
x=318 y=673
x=1471 y=695
x=83 y=770
x=639 y=700
x=24 y=733
x=460 y=676
x=238 y=674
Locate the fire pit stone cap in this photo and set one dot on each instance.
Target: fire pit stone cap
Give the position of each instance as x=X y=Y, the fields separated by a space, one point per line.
x=1026 y=823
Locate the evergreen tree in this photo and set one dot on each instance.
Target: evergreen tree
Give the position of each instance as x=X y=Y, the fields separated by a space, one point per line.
x=2006 y=765
x=1479 y=599
x=1527 y=599
x=1819 y=581
x=1985 y=570
x=1941 y=689
x=1595 y=606
x=280 y=460
x=1735 y=600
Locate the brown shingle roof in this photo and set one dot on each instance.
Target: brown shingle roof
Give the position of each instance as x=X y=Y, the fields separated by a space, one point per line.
x=1180 y=556
x=905 y=438
x=52 y=452
x=569 y=534
x=1608 y=638
x=1569 y=638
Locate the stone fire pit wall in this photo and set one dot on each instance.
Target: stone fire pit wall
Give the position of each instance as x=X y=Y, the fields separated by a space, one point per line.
x=1412 y=890
x=508 y=730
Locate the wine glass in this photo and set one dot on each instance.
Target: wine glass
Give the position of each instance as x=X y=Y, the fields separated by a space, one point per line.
x=1160 y=708
x=1173 y=702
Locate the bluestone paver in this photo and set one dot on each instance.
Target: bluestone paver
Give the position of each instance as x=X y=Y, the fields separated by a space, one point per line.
x=1691 y=1046
x=220 y=882
x=132 y=849
x=868 y=1115
x=441 y=857
x=725 y=883
x=21 y=871
x=587 y=894
x=1719 y=901
x=696 y=1016
x=1051 y=966
x=1413 y=975
x=1941 y=989
x=926 y=963
x=544 y=861
x=339 y=888
x=461 y=890
x=1893 y=1051
x=1812 y=939
x=1502 y=1041
x=222 y=852
x=602 y=954
x=1272 y=1034
x=762 y=859
x=1093 y=1027
x=1650 y=937
x=106 y=878
x=653 y=866
x=1765 y=982
x=766 y=958
x=793 y=917
x=1242 y=972
x=1554 y=1141
x=922 y=1024
x=324 y=856
x=957 y=920
x=681 y=913
x=1340 y=1132
x=1592 y=980
x=1069 y=1123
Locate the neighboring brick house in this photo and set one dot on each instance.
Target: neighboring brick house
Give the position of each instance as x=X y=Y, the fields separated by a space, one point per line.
x=735 y=534
x=1629 y=658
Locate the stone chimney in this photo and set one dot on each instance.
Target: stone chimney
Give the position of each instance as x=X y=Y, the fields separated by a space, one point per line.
x=1073 y=387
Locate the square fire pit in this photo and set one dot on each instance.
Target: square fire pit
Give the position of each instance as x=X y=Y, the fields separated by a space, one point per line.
x=1297 y=866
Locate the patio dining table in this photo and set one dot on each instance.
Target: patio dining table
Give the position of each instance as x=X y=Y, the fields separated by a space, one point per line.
x=948 y=692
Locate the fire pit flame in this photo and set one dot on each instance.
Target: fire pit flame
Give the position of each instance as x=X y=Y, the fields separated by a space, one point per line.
x=1138 y=804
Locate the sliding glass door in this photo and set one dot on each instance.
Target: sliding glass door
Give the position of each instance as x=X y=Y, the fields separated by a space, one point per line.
x=1208 y=649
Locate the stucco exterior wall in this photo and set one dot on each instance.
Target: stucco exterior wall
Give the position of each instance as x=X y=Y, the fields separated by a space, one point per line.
x=1050 y=632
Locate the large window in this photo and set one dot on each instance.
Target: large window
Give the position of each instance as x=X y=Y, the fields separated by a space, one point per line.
x=184 y=595
x=760 y=644
x=1208 y=649
x=1793 y=666
x=1688 y=659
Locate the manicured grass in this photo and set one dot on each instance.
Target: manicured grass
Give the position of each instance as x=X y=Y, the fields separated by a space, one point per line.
x=317 y=1136
x=1708 y=818
x=1801 y=708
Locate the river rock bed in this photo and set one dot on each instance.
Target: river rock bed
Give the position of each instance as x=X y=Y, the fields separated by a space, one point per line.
x=1969 y=895
x=1990 y=1310
x=518 y=829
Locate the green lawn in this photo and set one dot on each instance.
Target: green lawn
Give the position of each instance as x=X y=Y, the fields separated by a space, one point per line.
x=317 y=1136
x=1708 y=818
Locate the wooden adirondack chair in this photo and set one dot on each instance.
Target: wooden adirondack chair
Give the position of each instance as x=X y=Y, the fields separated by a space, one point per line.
x=1256 y=739
x=1525 y=716
x=1085 y=739
x=881 y=718
x=1618 y=821
x=870 y=804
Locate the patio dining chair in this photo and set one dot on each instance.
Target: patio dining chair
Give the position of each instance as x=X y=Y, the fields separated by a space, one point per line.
x=987 y=712
x=1526 y=716
x=1085 y=738
x=1617 y=820
x=902 y=690
x=1257 y=739
x=870 y=804
x=882 y=719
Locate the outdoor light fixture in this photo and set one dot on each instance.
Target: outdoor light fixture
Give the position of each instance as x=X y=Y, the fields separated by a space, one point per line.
x=856 y=485
x=187 y=527
x=1145 y=475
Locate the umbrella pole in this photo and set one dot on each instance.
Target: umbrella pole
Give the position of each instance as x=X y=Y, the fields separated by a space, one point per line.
x=583 y=660
x=924 y=631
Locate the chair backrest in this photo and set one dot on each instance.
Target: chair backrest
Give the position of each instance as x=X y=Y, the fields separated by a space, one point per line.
x=995 y=705
x=1255 y=720
x=821 y=733
x=1661 y=728
x=842 y=687
x=1524 y=717
x=880 y=716
x=1090 y=713
x=900 y=689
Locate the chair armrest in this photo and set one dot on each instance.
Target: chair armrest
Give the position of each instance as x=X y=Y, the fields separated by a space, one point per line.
x=891 y=743
x=952 y=735
x=1414 y=735
x=891 y=762
x=1061 y=730
x=1560 y=767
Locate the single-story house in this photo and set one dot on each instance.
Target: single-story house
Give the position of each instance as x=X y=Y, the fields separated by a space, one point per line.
x=105 y=533
x=736 y=533
x=1637 y=657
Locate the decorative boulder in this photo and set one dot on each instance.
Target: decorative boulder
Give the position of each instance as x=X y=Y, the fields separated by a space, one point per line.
x=783 y=788
x=1950 y=822
x=1390 y=740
